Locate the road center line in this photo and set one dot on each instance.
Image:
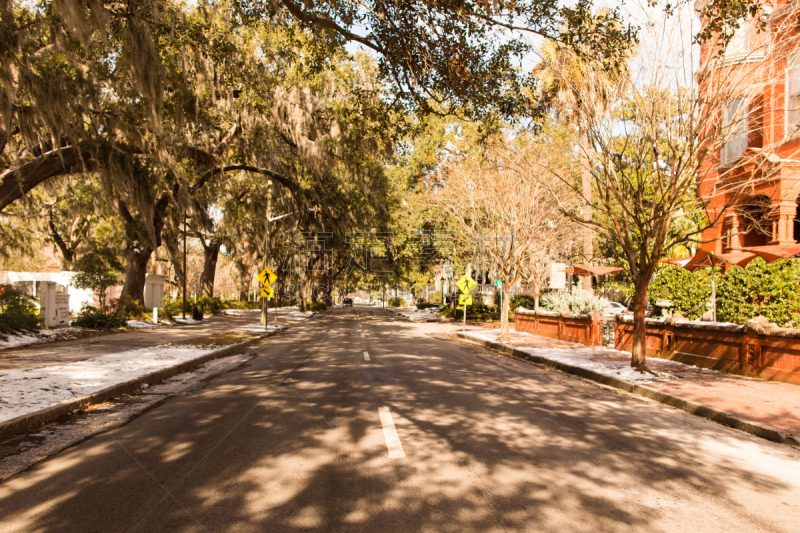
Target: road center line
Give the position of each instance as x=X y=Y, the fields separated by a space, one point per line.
x=390 y=434
x=366 y=356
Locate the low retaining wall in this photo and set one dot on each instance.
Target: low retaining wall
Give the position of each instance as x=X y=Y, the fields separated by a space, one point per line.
x=583 y=329
x=757 y=349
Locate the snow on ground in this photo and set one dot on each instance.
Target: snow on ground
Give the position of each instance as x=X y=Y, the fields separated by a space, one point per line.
x=298 y=315
x=24 y=391
x=240 y=312
x=138 y=324
x=186 y=320
x=258 y=328
x=36 y=337
x=579 y=356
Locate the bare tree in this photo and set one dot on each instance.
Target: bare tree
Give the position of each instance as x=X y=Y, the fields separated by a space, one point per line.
x=671 y=149
x=491 y=202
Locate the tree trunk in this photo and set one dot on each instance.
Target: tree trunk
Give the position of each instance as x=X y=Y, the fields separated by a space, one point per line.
x=303 y=286
x=638 y=353
x=174 y=245
x=586 y=191
x=136 y=271
x=505 y=332
x=210 y=256
x=536 y=293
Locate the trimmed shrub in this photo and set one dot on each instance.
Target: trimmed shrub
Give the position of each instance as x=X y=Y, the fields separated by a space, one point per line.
x=17 y=313
x=474 y=312
x=523 y=300
x=772 y=291
x=688 y=291
x=396 y=302
x=93 y=318
x=244 y=304
x=317 y=307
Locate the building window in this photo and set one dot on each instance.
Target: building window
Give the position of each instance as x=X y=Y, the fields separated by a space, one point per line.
x=734 y=130
x=739 y=45
x=793 y=96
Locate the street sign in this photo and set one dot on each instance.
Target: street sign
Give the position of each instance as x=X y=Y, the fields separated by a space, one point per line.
x=466 y=284
x=499 y=282
x=464 y=299
x=335 y=293
x=267 y=277
x=267 y=292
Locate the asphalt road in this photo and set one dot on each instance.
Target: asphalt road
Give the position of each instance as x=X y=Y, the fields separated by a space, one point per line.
x=427 y=435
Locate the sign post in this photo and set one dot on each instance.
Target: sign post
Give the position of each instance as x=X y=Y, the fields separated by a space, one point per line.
x=466 y=285
x=266 y=277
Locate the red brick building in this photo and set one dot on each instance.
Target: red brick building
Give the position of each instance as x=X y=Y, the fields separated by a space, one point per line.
x=757 y=80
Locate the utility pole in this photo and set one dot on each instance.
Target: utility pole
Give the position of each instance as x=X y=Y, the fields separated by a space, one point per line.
x=184 y=264
x=264 y=301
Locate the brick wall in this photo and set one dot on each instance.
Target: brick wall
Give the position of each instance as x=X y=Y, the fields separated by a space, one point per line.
x=583 y=329
x=756 y=349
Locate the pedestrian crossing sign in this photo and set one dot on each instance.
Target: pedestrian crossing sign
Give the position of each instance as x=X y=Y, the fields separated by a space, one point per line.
x=464 y=299
x=466 y=284
x=267 y=277
x=267 y=292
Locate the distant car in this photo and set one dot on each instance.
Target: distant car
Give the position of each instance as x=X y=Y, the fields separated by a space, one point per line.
x=617 y=308
x=347 y=301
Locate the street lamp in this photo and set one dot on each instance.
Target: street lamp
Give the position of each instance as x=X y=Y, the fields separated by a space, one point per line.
x=441 y=280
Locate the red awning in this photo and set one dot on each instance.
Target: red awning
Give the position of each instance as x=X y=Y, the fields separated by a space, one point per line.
x=775 y=252
x=706 y=259
x=589 y=270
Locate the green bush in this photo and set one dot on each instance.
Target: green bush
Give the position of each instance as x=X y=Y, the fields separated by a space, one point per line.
x=688 y=291
x=396 y=302
x=770 y=290
x=244 y=304
x=618 y=292
x=427 y=305
x=93 y=318
x=523 y=300
x=17 y=313
x=127 y=307
x=474 y=312
x=317 y=307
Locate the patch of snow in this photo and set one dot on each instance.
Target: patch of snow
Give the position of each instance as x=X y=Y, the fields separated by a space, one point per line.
x=258 y=328
x=240 y=312
x=579 y=356
x=35 y=337
x=24 y=391
x=186 y=321
x=138 y=324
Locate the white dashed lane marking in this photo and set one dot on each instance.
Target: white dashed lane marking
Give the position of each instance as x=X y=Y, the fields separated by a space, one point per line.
x=390 y=434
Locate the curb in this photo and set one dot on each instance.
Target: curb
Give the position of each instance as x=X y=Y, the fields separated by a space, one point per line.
x=30 y=421
x=697 y=409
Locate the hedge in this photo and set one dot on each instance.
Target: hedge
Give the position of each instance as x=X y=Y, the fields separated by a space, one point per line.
x=772 y=291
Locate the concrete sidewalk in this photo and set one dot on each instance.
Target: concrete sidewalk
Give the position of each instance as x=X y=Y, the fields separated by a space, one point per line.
x=770 y=404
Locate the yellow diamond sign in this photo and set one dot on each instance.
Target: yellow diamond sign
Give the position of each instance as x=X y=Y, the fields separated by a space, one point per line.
x=466 y=284
x=267 y=277
x=267 y=292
